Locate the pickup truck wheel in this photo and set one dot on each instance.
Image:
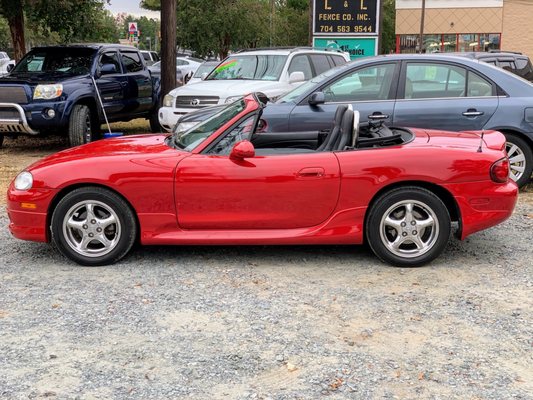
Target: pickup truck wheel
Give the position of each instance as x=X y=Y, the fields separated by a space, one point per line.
x=82 y=128
x=1 y=140
x=155 y=126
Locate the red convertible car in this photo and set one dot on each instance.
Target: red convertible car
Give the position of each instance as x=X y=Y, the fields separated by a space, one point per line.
x=229 y=181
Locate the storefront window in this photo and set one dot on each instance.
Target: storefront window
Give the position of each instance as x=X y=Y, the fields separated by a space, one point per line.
x=469 y=42
x=408 y=43
x=449 y=43
x=490 y=41
x=432 y=43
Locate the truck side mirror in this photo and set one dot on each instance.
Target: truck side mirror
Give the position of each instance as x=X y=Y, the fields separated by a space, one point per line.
x=107 y=69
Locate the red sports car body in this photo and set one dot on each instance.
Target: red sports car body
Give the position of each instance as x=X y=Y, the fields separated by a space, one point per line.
x=399 y=189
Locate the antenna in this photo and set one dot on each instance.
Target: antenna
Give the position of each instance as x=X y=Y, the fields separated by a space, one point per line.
x=481 y=141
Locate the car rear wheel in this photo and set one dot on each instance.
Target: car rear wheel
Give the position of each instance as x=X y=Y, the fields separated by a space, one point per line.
x=93 y=226
x=1 y=140
x=408 y=227
x=82 y=126
x=520 y=159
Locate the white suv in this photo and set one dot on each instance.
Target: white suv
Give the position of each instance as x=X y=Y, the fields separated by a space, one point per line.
x=271 y=71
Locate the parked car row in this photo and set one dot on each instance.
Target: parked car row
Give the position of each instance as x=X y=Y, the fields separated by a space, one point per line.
x=427 y=91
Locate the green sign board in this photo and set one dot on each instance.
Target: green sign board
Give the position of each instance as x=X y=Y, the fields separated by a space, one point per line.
x=355 y=46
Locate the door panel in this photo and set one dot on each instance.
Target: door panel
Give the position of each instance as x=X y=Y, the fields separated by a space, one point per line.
x=266 y=192
x=111 y=86
x=138 y=93
x=439 y=95
x=369 y=89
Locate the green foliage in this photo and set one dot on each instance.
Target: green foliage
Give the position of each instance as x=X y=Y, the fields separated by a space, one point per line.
x=388 y=36
x=5 y=36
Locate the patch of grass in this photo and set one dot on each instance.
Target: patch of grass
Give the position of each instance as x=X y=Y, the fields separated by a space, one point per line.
x=133 y=127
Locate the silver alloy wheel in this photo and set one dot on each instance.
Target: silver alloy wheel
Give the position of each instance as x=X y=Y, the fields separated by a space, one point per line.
x=91 y=228
x=517 y=161
x=409 y=229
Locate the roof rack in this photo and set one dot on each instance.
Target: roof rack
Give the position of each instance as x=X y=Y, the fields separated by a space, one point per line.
x=291 y=48
x=504 y=51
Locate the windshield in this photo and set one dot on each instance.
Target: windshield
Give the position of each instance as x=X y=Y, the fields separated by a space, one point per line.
x=71 y=61
x=204 y=69
x=309 y=85
x=190 y=139
x=256 y=67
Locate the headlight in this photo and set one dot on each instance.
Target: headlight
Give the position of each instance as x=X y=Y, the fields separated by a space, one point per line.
x=168 y=101
x=185 y=126
x=231 y=99
x=24 y=181
x=48 y=92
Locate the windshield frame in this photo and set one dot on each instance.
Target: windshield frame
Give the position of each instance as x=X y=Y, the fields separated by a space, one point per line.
x=250 y=104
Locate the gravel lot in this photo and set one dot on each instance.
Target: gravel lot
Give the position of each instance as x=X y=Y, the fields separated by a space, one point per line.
x=269 y=322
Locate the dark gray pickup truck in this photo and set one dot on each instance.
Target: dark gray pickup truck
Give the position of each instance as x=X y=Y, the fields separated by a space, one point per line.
x=52 y=90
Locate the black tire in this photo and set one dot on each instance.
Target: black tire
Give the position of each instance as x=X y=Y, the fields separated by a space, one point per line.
x=406 y=230
x=520 y=159
x=83 y=127
x=93 y=226
x=155 y=126
x=1 y=140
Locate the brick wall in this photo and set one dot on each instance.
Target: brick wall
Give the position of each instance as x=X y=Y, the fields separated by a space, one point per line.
x=517 y=34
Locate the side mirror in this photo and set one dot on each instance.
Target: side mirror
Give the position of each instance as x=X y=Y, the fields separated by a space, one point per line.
x=317 y=98
x=204 y=75
x=108 y=69
x=296 y=76
x=10 y=67
x=241 y=150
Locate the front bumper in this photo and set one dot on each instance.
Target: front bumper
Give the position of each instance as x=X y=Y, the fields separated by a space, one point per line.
x=483 y=204
x=32 y=118
x=28 y=213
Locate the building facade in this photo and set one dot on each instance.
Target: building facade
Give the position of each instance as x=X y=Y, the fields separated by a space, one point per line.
x=465 y=25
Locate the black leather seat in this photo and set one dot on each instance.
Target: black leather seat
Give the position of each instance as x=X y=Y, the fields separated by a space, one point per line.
x=345 y=135
x=329 y=143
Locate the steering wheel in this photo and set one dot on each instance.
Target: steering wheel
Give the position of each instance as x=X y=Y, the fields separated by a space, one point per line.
x=355 y=134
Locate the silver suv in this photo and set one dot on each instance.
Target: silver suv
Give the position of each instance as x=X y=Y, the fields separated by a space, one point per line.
x=273 y=72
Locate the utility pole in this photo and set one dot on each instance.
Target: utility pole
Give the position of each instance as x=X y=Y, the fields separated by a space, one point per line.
x=168 y=45
x=422 y=17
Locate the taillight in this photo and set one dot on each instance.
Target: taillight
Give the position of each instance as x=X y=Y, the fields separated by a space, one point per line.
x=499 y=171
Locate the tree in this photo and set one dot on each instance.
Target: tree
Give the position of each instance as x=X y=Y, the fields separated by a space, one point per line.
x=52 y=16
x=388 y=29
x=148 y=28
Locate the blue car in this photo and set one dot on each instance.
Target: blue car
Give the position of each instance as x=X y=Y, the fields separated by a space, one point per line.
x=426 y=91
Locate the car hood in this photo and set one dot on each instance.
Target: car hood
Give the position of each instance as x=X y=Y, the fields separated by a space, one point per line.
x=96 y=161
x=38 y=78
x=225 y=88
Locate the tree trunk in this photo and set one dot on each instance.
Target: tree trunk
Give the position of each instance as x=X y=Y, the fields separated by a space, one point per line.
x=168 y=45
x=16 y=26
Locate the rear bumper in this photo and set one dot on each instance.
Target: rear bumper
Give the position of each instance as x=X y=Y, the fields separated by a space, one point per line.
x=27 y=212
x=483 y=204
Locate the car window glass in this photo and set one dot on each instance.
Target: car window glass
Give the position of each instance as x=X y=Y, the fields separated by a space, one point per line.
x=478 y=86
x=264 y=67
x=110 y=57
x=320 y=63
x=67 y=61
x=427 y=81
x=301 y=63
x=242 y=131
x=132 y=61
x=370 y=83
x=521 y=63
x=146 y=56
x=338 y=60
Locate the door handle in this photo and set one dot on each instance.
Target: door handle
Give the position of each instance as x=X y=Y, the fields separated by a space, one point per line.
x=378 y=116
x=310 y=173
x=472 y=112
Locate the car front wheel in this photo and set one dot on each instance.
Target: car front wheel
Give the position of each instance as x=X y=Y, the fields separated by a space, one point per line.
x=93 y=226
x=408 y=227
x=520 y=159
x=82 y=126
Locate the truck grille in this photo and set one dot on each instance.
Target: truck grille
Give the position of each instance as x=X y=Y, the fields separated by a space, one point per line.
x=13 y=94
x=196 y=101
